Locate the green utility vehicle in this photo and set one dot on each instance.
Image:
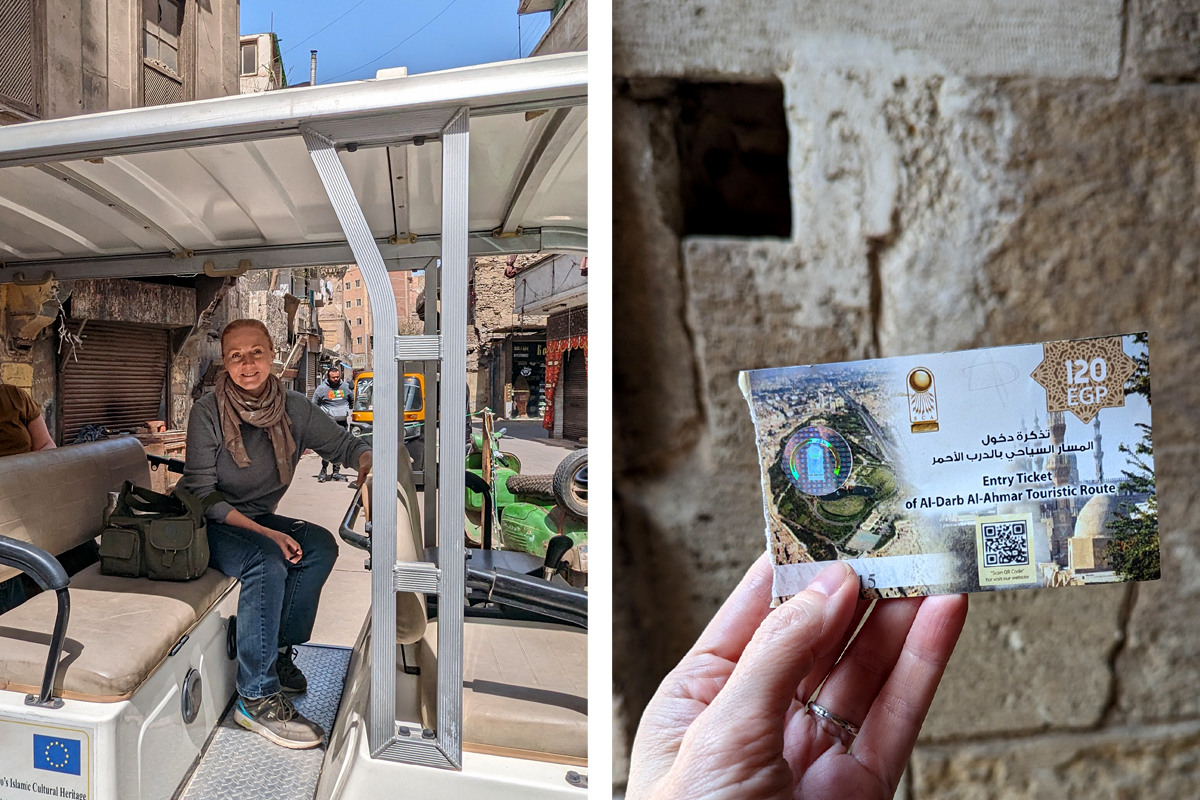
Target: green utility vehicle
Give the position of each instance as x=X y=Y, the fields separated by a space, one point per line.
x=543 y=515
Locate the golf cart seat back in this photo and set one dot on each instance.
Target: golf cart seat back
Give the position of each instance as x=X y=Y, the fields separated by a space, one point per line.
x=411 y=612
x=524 y=689
x=120 y=629
x=56 y=498
x=524 y=684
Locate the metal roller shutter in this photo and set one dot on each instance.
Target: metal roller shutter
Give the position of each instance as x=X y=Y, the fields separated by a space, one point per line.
x=575 y=396
x=115 y=378
x=313 y=374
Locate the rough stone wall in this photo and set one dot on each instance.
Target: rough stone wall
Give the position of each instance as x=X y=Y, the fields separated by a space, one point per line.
x=198 y=355
x=957 y=180
x=494 y=303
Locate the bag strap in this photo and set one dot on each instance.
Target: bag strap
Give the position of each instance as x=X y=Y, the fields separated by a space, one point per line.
x=195 y=506
x=136 y=505
x=145 y=500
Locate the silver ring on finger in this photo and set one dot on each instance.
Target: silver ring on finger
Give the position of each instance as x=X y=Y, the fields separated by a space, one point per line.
x=839 y=728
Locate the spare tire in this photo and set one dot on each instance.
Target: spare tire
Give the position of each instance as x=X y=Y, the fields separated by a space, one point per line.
x=570 y=483
x=536 y=485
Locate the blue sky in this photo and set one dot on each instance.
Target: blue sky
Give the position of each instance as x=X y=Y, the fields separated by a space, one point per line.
x=353 y=37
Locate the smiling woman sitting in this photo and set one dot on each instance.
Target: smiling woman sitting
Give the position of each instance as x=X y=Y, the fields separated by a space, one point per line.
x=244 y=441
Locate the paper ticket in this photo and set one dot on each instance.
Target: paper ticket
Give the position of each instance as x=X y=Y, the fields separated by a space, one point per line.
x=1002 y=468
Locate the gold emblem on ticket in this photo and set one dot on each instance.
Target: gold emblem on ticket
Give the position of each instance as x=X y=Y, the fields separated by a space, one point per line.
x=922 y=400
x=1084 y=375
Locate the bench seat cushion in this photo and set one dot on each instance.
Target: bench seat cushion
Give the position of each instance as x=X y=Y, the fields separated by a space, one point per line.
x=120 y=630
x=524 y=689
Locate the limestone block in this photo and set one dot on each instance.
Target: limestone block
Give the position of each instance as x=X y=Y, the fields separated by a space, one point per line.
x=29 y=310
x=122 y=300
x=1165 y=39
x=1030 y=660
x=1157 y=669
x=1114 y=764
x=15 y=373
x=620 y=744
x=655 y=395
x=1105 y=238
x=1050 y=38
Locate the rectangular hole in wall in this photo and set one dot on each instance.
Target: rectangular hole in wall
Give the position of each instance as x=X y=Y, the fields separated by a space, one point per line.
x=733 y=159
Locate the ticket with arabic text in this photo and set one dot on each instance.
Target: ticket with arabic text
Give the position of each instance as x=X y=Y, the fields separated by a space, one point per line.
x=1002 y=468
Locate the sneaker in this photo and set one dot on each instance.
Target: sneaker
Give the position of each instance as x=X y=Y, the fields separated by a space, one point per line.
x=276 y=719
x=291 y=679
x=322 y=477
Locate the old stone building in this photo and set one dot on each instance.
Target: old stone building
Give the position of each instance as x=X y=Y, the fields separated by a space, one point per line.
x=497 y=334
x=814 y=182
x=115 y=353
x=406 y=289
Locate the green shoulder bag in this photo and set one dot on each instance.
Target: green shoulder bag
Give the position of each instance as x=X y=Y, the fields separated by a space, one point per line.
x=156 y=536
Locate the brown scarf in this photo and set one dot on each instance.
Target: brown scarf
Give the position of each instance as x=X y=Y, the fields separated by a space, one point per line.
x=269 y=410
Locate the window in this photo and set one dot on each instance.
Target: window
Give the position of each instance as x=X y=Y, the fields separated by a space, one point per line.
x=733 y=157
x=163 y=24
x=357 y=283
x=347 y=304
x=250 y=58
x=18 y=57
x=358 y=340
x=347 y=284
x=358 y=301
x=358 y=321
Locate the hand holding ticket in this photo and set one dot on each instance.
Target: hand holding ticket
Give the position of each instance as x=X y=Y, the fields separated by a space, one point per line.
x=1003 y=468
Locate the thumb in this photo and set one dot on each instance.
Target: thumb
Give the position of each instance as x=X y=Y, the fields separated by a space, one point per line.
x=788 y=643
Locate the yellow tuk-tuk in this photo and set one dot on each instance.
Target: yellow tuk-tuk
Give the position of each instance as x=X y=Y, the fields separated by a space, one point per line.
x=362 y=415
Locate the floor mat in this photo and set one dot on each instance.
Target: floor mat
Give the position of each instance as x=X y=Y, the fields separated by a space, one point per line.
x=241 y=765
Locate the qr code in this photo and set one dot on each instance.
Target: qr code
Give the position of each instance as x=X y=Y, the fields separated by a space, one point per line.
x=1005 y=544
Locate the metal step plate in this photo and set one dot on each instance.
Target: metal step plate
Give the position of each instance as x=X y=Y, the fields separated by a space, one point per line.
x=241 y=765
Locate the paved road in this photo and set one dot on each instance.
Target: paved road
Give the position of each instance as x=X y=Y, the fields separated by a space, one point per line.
x=346 y=598
x=529 y=441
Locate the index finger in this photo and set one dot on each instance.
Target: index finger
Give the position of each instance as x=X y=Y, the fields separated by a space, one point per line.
x=729 y=631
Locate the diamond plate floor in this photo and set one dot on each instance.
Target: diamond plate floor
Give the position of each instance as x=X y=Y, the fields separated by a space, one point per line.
x=241 y=765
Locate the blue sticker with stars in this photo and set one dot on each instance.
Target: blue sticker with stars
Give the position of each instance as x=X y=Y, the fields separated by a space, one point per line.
x=56 y=754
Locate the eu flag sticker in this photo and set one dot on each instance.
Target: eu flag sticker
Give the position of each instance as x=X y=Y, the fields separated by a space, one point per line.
x=56 y=753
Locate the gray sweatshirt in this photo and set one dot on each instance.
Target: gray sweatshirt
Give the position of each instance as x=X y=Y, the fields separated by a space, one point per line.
x=334 y=402
x=257 y=489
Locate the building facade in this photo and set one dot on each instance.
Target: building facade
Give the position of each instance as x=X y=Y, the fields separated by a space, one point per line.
x=149 y=339
x=260 y=65
x=406 y=288
x=58 y=59
x=557 y=286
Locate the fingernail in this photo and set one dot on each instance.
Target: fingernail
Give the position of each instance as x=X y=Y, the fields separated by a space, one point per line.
x=830 y=579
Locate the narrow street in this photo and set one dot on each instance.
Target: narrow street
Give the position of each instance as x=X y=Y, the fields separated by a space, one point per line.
x=346 y=598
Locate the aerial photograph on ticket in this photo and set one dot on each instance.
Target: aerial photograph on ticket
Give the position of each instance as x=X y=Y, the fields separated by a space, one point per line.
x=1001 y=468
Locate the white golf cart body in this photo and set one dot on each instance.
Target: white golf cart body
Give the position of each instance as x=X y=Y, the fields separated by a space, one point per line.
x=405 y=173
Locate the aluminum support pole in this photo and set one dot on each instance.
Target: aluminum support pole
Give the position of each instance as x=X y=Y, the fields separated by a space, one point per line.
x=381 y=723
x=432 y=370
x=451 y=465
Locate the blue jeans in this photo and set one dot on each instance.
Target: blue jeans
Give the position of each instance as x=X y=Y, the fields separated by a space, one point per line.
x=278 y=602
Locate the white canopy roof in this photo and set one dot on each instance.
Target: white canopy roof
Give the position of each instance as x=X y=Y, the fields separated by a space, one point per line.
x=167 y=189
